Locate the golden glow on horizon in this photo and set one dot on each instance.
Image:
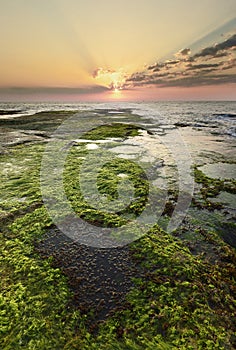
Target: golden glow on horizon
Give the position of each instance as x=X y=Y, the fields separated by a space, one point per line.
x=110 y=78
x=117 y=93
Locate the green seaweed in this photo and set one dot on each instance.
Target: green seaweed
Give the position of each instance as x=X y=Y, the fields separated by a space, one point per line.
x=107 y=185
x=176 y=304
x=114 y=130
x=181 y=301
x=210 y=188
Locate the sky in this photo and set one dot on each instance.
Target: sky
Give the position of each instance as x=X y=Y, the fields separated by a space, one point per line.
x=127 y=50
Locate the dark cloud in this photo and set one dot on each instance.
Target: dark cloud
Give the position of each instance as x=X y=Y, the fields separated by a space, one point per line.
x=230 y=64
x=156 y=66
x=160 y=75
x=137 y=77
x=203 y=66
x=206 y=67
x=200 y=80
x=93 y=89
x=214 y=50
x=142 y=79
x=189 y=81
x=157 y=69
x=221 y=54
x=204 y=71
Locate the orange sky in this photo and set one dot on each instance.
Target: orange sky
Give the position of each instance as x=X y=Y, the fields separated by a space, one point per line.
x=117 y=50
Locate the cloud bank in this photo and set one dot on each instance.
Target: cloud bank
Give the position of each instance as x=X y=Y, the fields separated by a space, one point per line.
x=91 y=89
x=212 y=65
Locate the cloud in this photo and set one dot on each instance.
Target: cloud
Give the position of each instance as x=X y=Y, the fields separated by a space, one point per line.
x=171 y=62
x=201 y=80
x=183 y=52
x=229 y=64
x=188 y=81
x=112 y=79
x=137 y=77
x=214 y=50
x=155 y=66
x=221 y=54
x=101 y=71
x=205 y=67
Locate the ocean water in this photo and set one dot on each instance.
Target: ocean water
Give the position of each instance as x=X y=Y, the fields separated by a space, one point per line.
x=216 y=117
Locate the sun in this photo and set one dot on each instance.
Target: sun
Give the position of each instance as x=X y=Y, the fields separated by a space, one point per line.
x=112 y=79
x=116 y=91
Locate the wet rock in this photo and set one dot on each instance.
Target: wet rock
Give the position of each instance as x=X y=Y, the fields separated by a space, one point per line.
x=99 y=278
x=10 y=111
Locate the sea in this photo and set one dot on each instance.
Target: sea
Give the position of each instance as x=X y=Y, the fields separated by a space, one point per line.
x=217 y=117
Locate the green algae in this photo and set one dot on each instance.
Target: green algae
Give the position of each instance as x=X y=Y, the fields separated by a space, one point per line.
x=107 y=184
x=211 y=188
x=175 y=304
x=114 y=130
x=46 y=121
x=180 y=302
